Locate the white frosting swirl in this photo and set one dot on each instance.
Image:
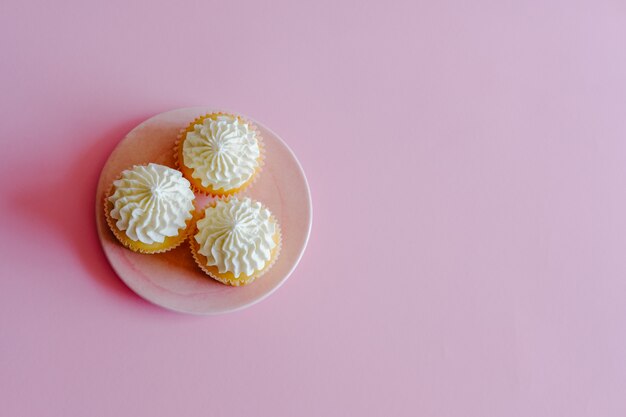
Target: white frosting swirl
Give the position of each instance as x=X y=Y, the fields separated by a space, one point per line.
x=151 y=202
x=222 y=152
x=237 y=236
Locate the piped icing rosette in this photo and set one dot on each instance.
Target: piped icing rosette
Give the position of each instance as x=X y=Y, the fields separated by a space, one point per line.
x=236 y=241
x=149 y=207
x=220 y=153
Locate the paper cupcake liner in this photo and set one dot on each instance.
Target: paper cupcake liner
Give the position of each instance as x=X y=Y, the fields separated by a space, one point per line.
x=174 y=241
x=212 y=271
x=217 y=193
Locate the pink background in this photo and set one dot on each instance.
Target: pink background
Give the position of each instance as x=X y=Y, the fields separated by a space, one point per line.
x=467 y=161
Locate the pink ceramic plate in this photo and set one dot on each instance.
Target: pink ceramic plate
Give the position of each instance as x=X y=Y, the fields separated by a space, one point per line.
x=172 y=280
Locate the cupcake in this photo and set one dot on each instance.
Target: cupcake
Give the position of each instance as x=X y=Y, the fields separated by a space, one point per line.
x=150 y=208
x=236 y=240
x=220 y=154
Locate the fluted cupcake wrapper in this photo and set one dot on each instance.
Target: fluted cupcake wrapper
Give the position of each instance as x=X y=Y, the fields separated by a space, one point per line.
x=173 y=241
x=213 y=272
x=219 y=193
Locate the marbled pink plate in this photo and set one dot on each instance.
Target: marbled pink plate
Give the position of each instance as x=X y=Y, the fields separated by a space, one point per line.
x=172 y=280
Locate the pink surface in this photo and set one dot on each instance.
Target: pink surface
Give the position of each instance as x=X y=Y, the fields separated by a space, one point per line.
x=467 y=162
x=173 y=279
